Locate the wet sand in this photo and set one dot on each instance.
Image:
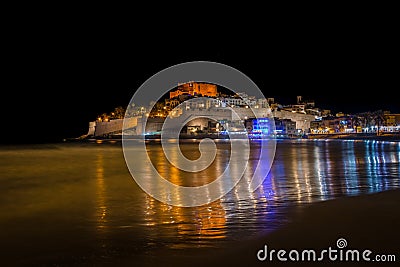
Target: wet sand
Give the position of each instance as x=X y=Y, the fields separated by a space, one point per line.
x=366 y=222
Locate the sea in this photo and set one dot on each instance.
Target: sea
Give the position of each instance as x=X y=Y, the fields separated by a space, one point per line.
x=77 y=203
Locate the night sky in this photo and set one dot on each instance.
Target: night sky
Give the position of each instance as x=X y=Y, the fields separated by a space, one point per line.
x=60 y=84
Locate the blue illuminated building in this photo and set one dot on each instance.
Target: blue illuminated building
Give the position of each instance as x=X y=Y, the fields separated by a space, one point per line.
x=284 y=128
x=261 y=126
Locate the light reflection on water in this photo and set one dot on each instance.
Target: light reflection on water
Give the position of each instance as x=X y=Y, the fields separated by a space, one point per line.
x=199 y=225
x=82 y=196
x=319 y=170
x=101 y=209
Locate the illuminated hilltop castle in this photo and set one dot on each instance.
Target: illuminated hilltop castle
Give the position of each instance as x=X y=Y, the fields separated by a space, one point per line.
x=195 y=88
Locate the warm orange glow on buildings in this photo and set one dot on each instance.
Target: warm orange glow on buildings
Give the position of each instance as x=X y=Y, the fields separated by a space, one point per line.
x=194 y=88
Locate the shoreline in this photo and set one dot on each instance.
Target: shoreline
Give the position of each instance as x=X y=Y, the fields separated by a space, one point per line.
x=339 y=136
x=357 y=136
x=366 y=222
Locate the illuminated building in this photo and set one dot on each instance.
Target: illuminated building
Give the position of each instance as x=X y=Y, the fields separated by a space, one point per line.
x=285 y=128
x=195 y=89
x=263 y=127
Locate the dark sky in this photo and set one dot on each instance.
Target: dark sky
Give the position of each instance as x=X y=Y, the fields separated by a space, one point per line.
x=61 y=83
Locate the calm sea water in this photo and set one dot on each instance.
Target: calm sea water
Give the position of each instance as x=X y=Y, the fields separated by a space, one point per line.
x=76 y=203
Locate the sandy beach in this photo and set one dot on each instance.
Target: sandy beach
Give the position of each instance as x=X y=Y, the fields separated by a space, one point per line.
x=365 y=222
